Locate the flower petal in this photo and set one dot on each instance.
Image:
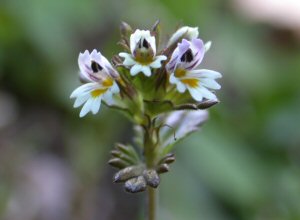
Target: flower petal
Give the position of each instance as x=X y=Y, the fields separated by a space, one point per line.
x=96 y=56
x=196 y=94
x=84 y=63
x=128 y=61
x=204 y=73
x=84 y=89
x=135 y=69
x=207 y=94
x=80 y=100
x=137 y=35
x=157 y=62
x=86 y=107
x=210 y=83
x=115 y=88
x=181 y=87
x=173 y=79
x=95 y=106
x=146 y=70
x=183 y=32
x=108 y=98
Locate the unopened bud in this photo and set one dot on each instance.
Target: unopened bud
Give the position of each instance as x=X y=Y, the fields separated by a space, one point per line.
x=115 y=153
x=169 y=158
x=155 y=26
x=118 y=163
x=163 y=168
x=186 y=32
x=123 y=148
x=207 y=104
x=116 y=60
x=125 y=29
x=136 y=184
x=128 y=173
x=152 y=178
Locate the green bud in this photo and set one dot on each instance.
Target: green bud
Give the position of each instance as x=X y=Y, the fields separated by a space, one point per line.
x=115 y=153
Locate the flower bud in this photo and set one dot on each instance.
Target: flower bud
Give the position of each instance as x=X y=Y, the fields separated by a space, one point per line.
x=168 y=159
x=163 y=168
x=207 y=104
x=136 y=184
x=125 y=29
x=116 y=153
x=151 y=178
x=186 y=32
x=117 y=163
x=128 y=173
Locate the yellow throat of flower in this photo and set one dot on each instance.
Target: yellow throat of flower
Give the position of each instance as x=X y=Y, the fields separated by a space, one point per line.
x=107 y=82
x=143 y=56
x=191 y=82
x=98 y=92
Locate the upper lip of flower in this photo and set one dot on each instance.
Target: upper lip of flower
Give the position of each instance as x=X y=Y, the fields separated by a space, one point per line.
x=99 y=75
x=187 y=55
x=143 y=53
x=94 y=67
x=185 y=58
x=142 y=38
x=186 y=32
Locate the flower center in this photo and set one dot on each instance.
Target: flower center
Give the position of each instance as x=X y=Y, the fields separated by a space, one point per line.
x=143 y=57
x=179 y=72
x=143 y=53
x=108 y=82
x=96 y=93
x=96 y=66
x=193 y=83
x=187 y=56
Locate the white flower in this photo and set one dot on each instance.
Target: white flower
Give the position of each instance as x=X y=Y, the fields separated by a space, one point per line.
x=199 y=82
x=143 y=54
x=101 y=85
x=186 y=32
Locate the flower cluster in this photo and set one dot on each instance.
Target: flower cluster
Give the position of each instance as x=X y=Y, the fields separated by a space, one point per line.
x=175 y=66
x=154 y=85
x=101 y=84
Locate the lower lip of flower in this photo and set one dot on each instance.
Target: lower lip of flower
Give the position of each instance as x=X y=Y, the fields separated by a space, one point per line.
x=193 y=83
x=96 y=93
x=144 y=58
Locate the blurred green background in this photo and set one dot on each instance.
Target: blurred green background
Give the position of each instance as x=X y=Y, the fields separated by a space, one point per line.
x=243 y=165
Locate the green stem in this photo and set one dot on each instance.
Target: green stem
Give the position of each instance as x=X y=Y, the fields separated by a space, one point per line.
x=150 y=157
x=152 y=203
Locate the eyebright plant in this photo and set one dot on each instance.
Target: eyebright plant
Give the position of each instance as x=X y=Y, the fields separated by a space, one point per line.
x=159 y=87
